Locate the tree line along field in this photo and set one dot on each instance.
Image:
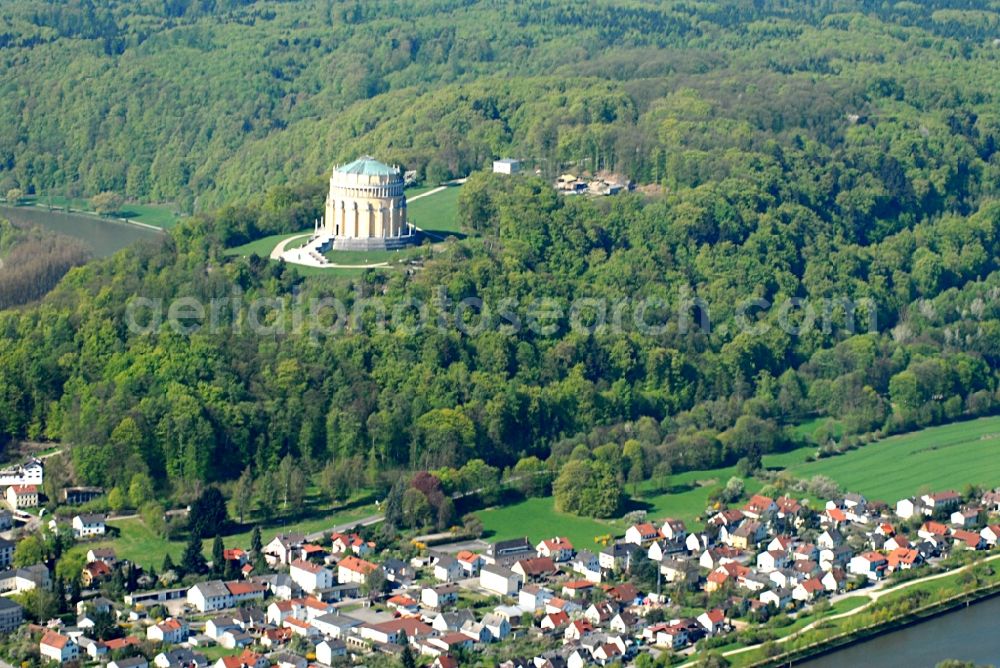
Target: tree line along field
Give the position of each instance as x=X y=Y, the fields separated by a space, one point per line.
x=937 y=458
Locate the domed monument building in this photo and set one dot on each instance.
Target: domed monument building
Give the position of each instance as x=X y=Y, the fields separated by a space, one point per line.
x=365 y=211
x=366 y=207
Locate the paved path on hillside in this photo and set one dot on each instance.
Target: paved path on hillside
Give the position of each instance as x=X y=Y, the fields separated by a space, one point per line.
x=873 y=595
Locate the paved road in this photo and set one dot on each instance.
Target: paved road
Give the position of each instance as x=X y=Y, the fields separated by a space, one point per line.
x=340 y=528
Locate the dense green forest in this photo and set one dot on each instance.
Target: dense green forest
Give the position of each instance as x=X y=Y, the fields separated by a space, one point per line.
x=814 y=150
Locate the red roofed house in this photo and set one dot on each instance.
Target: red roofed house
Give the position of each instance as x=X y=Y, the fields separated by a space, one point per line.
x=352 y=569
x=577 y=588
x=311 y=577
x=94 y=572
x=759 y=505
x=535 y=568
x=713 y=620
x=57 y=647
x=170 y=630
x=391 y=631
x=245 y=659
x=946 y=500
x=902 y=559
x=470 y=562
x=577 y=630
x=350 y=542
x=870 y=564
x=932 y=530
x=808 y=590
x=970 y=540
x=554 y=620
x=558 y=549
x=22 y=496
x=641 y=534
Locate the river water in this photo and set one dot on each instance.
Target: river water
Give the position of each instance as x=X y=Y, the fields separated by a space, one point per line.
x=968 y=634
x=103 y=237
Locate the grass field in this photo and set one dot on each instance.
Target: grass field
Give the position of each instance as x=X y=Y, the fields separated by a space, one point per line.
x=264 y=245
x=140 y=545
x=436 y=214
x=936 y=458
x=371 y=257
x=686 y=499
x=157 y=215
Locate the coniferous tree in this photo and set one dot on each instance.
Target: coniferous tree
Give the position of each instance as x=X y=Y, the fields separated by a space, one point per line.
x=218 y=556
x=256 y=543
x=193 y=561
x=168 y=564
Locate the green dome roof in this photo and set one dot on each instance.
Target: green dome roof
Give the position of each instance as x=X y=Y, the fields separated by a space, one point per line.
x=368 y=166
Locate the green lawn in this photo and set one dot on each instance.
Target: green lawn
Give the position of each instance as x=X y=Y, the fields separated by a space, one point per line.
x=158 y=215
x=436 y=214
x=686 y=499
x=372 y=257
x=937 y=458
x=538 y=519
x=140 y=545
x=265 y=245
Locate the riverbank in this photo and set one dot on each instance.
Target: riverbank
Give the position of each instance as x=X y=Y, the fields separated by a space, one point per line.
x=889 y=609
x=103 y=236
x=834 y=646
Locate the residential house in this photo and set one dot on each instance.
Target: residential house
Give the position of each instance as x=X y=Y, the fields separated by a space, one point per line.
x=246 y=659
x=504 y=553
x=311 y=577
x=447 y=569
x=771 y=560
x=353 y=569
x=809 y=589
x=453 y=620
x=618 y=556
x=758 y=506
x=641 y=534
x=500 y=580
x=713 y=620
x=440 y=596
x=870 y=564
x=829 y=539
x=902 y=558
x=941 y=501
x=553 y=621
x=673 y=529
x=587 y=564
x=535 y=568
x=330 y=651
x=11 y=615
x=342 y=543
x=180 y=657
x=558 y=549
x=779 y=597
x=965 y=518
x=89 y=525
x=601 y=613
x=219 y=625
x=497 y=625
x=991 y=534
x=22 y=496
x=105 y=554
x=58 y=647
x=534 y=597
x=624 y=622
x=577 y=588
x=747 y=535
x=171 y=631
x=470 y=562
x=907 y=508
x=969 y=540
x=391 y=631
x=94 y=573
x=284 y=548
x=129 y=662
x=835 y=580
x=577 y=630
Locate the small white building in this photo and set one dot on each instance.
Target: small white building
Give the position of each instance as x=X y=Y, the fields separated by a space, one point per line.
x=330 y=651
x=500 y=580
x=506 y=166
x=87 y=525
x=171 y=631
x=311 y=577
x=57 y=647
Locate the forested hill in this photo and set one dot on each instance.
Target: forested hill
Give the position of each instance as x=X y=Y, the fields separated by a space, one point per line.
x=842 y=150
x=201 y=101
